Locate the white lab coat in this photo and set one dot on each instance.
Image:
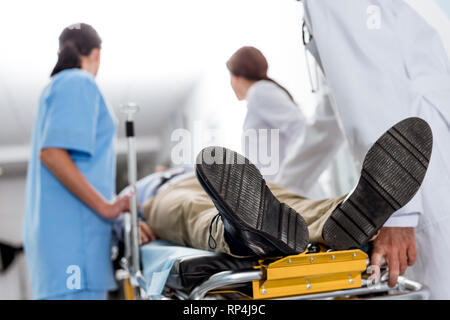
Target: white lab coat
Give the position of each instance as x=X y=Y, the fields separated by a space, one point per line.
x=384 y=63
x=269 y=107
x=311 y=154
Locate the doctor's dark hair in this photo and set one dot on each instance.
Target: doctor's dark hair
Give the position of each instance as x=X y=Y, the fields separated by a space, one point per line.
x=75 y=41
x=250 y=63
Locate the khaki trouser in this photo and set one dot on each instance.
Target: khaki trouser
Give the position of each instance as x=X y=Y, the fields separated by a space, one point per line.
x=183 y=212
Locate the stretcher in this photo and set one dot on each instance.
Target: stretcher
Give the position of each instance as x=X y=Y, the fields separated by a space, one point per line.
x=314 y=274
x=317 y=273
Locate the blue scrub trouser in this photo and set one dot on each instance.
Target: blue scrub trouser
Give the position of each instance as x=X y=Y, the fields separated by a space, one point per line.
x=82 y=295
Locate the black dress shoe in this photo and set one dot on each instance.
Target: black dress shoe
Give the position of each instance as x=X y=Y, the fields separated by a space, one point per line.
x=392 y=173
x=250 y=212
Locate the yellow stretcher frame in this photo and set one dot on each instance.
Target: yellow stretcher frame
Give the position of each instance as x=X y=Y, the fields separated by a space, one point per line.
x=128 y=290
x=323 y=275
x=309 y=273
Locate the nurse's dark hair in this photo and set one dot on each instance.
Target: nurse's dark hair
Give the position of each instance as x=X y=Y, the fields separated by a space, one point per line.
x=250 y=63
x=75 y=41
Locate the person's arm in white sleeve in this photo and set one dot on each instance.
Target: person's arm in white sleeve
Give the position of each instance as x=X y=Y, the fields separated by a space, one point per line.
x=408 y=220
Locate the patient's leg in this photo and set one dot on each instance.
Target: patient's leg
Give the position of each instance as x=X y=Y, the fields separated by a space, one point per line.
x=315 y=212
x=264 y=219
x=182 y=214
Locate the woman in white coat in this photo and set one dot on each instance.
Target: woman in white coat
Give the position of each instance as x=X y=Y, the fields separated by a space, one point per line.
x=274 y=122
x=384 y=63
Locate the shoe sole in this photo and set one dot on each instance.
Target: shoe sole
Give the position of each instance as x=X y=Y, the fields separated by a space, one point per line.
x=247 y=204
x=392 y=173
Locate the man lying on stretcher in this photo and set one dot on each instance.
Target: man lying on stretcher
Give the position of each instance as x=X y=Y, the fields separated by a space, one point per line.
x=226 y=206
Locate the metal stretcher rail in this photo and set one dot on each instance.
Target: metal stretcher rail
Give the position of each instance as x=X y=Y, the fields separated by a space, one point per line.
x=404 y=290
x=132 y=274
x=223 y=279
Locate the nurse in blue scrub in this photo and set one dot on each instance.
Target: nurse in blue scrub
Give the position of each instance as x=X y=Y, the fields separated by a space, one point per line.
x=71 y=178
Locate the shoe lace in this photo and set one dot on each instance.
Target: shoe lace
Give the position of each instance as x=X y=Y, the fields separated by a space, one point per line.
x=211 y=238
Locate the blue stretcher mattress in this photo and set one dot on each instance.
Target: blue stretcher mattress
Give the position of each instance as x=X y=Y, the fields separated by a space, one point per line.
x=158 y=258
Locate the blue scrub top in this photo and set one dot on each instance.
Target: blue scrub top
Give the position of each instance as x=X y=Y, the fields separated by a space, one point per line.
x=66 y=243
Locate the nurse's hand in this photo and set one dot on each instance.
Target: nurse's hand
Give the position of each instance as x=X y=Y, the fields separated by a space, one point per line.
x=146 y=234
x=398 y=247
x=111 y=210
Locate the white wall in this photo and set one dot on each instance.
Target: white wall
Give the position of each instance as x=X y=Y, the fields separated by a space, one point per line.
x=14 y=282
x=12 y=199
